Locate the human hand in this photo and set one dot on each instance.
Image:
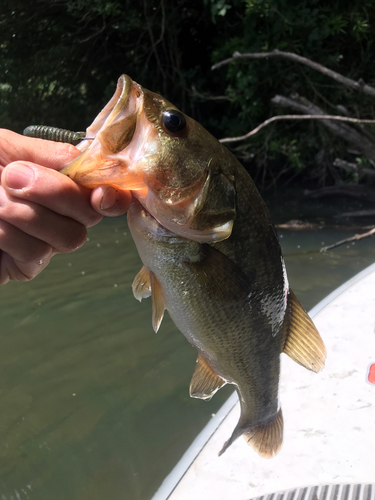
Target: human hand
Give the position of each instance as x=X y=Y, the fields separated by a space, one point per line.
x=43 y=212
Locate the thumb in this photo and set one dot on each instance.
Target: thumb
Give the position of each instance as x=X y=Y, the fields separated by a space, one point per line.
x=109 y=201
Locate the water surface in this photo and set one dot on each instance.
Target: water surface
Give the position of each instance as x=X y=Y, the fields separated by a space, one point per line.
x=93 y=404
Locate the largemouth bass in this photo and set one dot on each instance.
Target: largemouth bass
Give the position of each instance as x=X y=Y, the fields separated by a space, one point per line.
x=211 y=255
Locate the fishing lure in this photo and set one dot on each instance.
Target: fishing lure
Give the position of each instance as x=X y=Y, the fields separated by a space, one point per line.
x=55 y=134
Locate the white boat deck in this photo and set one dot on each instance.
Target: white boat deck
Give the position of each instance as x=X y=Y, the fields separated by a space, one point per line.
x=329 y=417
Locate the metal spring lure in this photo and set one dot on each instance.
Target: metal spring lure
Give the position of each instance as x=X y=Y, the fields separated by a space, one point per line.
x=55 y=134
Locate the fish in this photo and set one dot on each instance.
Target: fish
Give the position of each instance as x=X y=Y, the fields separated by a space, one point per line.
x=211 y=255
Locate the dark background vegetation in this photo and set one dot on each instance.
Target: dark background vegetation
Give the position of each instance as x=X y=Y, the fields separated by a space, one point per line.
x=60 y=60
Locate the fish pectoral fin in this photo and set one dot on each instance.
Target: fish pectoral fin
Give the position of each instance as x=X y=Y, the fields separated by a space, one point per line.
x=205 y=382
x=265 y=438
x=302 y=341
x=142 y=285
x=158 y=304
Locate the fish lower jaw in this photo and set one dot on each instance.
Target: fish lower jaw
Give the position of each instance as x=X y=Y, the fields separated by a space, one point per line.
x=146 y=221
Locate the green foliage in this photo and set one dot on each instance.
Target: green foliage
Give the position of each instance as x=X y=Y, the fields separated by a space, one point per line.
x=332 y=32
x=62 y=59
x=218 y=8
x=59 y=63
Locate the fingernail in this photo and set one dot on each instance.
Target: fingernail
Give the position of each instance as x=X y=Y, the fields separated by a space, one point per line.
x=18 y=176
x=3 y=197
x=109 y=199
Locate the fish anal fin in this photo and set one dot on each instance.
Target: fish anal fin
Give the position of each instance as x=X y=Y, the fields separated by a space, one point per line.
x=158 y=304
x=205 y=382
x=265 y=438
x=302 y=341
x=142 y=285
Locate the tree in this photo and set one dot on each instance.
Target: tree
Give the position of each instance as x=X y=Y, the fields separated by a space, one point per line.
x=60 y=60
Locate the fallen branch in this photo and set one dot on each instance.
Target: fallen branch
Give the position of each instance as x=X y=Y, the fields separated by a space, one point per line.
x=356 y=237
x=348 y=82
x=293 y=117
x=352 y=191
x=357 y=139
x=299 y=225
x=353 y=167
x=358 y=213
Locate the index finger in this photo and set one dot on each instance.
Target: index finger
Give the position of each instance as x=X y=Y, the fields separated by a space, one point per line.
x=50 y=189
x=14 y=147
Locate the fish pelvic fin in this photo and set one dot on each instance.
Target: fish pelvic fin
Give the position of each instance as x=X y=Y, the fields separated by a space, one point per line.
x=205 y=382
x=158 y=304
x=266 y=438
x=302 y=341
x=142 y=285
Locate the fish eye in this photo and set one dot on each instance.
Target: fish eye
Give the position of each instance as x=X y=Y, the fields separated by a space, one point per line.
x=174 y=121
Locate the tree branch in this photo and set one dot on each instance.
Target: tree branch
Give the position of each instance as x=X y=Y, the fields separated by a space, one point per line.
x=348 y=82
x=293 y=117
x=195 y=93
x=356 y=237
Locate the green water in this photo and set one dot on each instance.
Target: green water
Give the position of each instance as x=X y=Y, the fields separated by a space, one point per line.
x=93 y=404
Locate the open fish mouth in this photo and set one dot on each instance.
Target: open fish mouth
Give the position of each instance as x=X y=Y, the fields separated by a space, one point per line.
x=112 y=132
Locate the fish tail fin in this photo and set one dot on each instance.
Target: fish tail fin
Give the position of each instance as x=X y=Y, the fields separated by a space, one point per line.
x=266 y=439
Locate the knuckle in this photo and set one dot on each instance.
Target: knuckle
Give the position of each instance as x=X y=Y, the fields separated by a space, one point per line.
x=66 y=149
x=73 y=240
x=39 y=255
x=94 y=219
x=12 y=270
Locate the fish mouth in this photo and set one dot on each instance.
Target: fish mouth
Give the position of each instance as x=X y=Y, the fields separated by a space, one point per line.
x=146 y=222
x=111 y=132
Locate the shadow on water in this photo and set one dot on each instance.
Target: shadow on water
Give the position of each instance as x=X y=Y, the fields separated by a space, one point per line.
x=95 y=405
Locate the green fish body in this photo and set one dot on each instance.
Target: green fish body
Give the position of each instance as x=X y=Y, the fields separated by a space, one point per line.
x=211 y=255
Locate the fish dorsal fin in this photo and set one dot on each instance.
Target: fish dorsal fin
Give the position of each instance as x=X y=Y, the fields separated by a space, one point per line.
x=302 y=341
x=158 y=304
x=204 y=382
x=142 y=285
